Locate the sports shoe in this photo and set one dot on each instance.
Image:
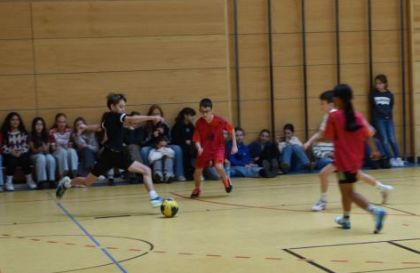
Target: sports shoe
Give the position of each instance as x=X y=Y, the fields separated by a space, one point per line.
x=228 y=185
x=31 y=185
x=61 y=187
x=156 y=202
x=181 y=178
x=393 y=162
x=1 y=188
x=385 y=190
x=379 y=215
x=399 y=162
x=343 y=222
x=196 y=193
x=321 y=205
x=9 y=187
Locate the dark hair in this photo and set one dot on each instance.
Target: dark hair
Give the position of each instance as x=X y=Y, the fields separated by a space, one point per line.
x=240 y=130
x=38 y=140
x=345 y=93
x=327 y=96
x=76 y=121
x=185 y=111
x=206 y=103
x=6 y=124
x=114 y=98
x=289 y=126
x=153 y=107
x=264 y=131
x=57 y=117
x=383 y=79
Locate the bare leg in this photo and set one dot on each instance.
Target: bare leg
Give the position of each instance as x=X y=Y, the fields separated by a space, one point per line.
x=198 y=172
x=323 y=176
x=366 y=178
x=139 y=168
x=221 y=171
x=349 y=196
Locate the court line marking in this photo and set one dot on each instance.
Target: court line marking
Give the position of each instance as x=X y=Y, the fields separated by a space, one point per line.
x=97 y=244
x=404 y=247
x=268 y=208
x=356 y=243
x=308 y=261
x=384 y=270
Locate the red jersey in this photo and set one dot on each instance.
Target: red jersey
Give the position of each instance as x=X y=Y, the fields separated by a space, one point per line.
x=210 y=135
x=349 y=147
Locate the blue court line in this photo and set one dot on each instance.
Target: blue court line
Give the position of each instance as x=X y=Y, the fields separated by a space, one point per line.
x=90 y=236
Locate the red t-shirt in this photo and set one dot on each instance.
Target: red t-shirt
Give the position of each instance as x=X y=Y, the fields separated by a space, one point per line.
x=210 y=135
x=349 y=147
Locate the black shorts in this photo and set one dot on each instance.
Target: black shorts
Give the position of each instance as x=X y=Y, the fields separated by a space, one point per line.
x=109 y=159
x=346 y=177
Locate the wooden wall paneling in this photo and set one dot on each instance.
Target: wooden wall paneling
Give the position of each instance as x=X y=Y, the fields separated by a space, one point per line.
x=125 y=54
x=288 y=82
x=386 y=46
x=286 y=16
x=386 y=15
x=354 y=48
x=320 y=16
x=16 y=57
x=321 y=48
x=293 y=55
x=353 y=16
x=17 y=92
x=65 y=19
x=252 y=16
x=15 y=20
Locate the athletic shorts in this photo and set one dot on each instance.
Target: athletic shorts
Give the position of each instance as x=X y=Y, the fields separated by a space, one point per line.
x=109 y=159
x=204 y=160
x=346 y=177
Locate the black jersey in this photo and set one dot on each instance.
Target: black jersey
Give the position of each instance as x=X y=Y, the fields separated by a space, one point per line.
x=113 y=126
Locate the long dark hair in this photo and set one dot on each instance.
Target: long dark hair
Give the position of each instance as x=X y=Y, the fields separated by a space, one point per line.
x=82 y=119
x=345 y=93
x=38 y=140
x=149 y=124
x=56 y=119
x=6 y=124
x=185 y=111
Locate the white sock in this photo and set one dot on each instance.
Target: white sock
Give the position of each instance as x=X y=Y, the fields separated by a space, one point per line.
x=29 y=178
x=153 y=194
x=324 y=197
x=379 y=185
x=9 y=179
x=371 y=209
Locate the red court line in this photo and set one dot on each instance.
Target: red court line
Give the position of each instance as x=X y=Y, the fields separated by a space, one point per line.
x=339 y=261
x=213 y=255
x=374 y=262
x=134 y=249
x=185 y=253
x=52 y=242
x=70 y=244
x=111 y=247
x=242 y=257
x=35 y=239
x=91 y=246
x=273 y=258
x=410 y=262
x=159 y=251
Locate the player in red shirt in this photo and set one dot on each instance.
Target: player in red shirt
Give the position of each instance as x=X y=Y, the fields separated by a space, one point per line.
x=210 y=143
x=349 y=131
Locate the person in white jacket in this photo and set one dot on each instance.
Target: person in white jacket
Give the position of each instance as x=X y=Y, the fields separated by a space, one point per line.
x=161 y=158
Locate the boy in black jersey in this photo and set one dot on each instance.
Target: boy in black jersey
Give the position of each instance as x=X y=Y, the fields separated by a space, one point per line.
x=113 y=154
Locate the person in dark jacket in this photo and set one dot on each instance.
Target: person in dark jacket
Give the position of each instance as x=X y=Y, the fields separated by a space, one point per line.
x=264 y=152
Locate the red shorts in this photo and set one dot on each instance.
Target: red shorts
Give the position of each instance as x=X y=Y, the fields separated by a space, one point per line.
x=204 y=160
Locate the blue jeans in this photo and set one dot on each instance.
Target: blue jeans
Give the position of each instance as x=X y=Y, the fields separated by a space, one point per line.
x=386 y=132
x=178 y=160
x=240 y=171
x=322 y=162
x=1 y=170
x=294 y=156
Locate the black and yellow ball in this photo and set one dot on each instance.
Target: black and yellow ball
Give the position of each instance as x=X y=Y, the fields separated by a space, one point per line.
x=169 y=208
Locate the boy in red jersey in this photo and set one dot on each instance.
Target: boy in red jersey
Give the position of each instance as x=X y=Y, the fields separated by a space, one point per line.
x=349 y=131
x=210 y=143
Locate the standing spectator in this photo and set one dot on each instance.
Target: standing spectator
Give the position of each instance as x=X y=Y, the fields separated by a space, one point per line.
x=43 y=161
x=264 y=152
x=87 y=146
x=182 y=133
x=16 y=150
x=382 y=103
x=155 y=129
x=293 y=155
x=62 y=146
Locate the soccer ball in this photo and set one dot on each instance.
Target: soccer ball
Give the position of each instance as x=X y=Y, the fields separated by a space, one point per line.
x=169 y=208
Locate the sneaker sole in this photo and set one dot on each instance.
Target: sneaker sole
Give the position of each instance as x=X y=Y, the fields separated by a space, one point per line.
x=379 y=225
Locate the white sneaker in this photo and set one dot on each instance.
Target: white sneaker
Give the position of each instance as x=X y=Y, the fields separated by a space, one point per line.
x=393 y=162
x=9 y=187
x=385 y=191
x=399 y=162
x=320 y=206
x=31 y=185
